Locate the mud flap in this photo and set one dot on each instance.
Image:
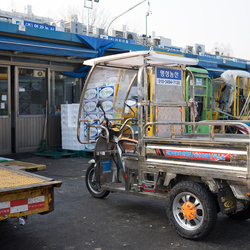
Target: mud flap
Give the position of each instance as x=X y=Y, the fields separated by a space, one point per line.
x=227 y=201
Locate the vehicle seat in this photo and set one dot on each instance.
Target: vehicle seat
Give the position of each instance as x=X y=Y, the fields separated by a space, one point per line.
x=128 y=146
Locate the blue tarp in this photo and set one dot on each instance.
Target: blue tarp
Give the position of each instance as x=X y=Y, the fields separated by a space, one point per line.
x=34 y=46
x=97 y=44
x=82 y=72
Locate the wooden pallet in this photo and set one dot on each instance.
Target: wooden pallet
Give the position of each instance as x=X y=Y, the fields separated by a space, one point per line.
x=87 y=154
x=58 y=153
x=25 y=166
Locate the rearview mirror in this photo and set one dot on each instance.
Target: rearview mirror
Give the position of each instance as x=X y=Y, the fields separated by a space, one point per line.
x=130 y=102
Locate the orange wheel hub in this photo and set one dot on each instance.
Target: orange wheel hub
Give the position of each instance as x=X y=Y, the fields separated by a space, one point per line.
x=189 y=211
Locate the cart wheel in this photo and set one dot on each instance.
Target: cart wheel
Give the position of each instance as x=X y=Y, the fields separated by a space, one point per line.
x=92 y=184
x=241 y=215
x=191 y=210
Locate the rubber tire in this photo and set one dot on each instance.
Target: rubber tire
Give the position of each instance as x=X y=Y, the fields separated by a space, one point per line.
x=242 y=215
x=97 y=193
x=209 y=210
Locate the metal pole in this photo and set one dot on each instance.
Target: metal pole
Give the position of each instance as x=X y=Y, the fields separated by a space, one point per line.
x=88 y=7
x=88 y=24
x=123 y=14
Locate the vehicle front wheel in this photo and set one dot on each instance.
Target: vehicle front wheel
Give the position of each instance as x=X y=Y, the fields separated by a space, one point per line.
x=92 y=184
x=191 y=210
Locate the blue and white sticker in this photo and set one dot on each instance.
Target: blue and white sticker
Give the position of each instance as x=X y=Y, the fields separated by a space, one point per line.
x=90 y=94
x=168 y=77
x=108 y=115
x=93 y=132
x=106 y=92
x=91 y=117
x=90 y=146
x=108 y=106
x=89 y=107
x=111 y=80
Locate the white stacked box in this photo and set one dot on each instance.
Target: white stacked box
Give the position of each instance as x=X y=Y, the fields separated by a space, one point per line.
x=69 y=116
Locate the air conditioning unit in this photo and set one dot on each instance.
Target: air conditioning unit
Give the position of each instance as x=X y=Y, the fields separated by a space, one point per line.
x=130 y=35
x=189 y=49
x=199 y=49
x=74 y=27
x=156 y=42
x=161 y=41
x=39 y=73
x=98 y=32
x=117 y=33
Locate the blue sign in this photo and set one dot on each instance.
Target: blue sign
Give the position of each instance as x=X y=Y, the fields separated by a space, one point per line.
x=106 y=166
x=240 y=61
x=210 y=56
x=172 y=48
x=39 y=25
x=118 y=39
x=168 y=77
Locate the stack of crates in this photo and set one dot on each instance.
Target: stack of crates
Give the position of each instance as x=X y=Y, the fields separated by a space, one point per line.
x=69 y=116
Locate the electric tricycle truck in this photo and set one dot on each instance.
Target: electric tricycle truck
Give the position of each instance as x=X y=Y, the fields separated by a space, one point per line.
x=133 y=109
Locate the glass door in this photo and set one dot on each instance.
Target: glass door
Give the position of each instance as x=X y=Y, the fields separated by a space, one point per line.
x=31 y=107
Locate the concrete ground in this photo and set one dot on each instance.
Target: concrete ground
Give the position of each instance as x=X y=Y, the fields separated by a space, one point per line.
x=119 y=221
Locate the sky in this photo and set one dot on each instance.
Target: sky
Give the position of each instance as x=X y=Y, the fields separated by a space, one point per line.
x=221 y=23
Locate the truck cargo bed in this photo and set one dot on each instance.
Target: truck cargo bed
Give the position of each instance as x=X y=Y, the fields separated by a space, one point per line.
x=23 y=193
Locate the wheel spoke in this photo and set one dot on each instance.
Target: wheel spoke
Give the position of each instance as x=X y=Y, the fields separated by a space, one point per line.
x=189 y=223
x=197 y=220
x=199 y=207
x=179 y=207
x=187 y=197
x=196 y=203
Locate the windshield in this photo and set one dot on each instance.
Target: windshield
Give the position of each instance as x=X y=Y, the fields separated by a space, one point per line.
x=109 y=85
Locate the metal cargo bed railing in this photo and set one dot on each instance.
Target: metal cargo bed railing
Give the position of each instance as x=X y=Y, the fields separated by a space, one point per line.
x=194 y=125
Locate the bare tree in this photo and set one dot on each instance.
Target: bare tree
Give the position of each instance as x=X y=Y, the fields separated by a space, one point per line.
x=97 y=17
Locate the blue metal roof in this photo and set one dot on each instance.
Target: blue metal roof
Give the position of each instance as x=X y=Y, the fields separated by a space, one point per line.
x=28 y=45
x=68 y=44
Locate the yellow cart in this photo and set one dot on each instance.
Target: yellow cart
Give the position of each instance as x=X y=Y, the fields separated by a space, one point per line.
x=22 y=193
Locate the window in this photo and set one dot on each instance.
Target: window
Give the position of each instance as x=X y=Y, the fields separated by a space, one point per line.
x=64 y=90
x=32 y=91
x=3 y=91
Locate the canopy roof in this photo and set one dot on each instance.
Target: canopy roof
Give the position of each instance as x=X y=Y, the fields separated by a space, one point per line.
x=41 y=47
x=139 y=58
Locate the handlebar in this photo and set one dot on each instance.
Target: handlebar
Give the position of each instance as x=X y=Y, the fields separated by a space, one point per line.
x=106 y=128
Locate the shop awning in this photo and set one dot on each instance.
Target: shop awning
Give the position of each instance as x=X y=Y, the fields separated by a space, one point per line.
x=34 y=46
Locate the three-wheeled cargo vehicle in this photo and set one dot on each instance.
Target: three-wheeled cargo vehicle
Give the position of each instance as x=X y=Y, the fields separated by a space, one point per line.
x=133 y=108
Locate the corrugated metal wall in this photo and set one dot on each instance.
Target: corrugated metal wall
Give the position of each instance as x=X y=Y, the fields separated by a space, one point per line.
x=5 y=136
x=29 y=134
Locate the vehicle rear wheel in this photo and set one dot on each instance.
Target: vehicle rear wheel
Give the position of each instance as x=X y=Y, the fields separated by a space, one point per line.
x=191 y=210
x=92 y=184
x=241 y=215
